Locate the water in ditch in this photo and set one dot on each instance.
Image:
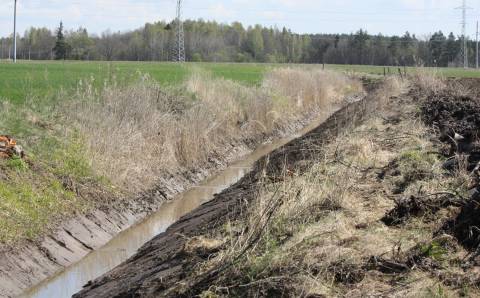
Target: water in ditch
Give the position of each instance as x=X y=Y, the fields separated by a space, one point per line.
x=126 y=244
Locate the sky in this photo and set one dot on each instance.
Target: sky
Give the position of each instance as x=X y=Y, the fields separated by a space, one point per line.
x=388 y=17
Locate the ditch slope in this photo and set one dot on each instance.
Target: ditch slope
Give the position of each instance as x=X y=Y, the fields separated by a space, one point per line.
x=164 y=261
x=28 y=264
x=403 y=223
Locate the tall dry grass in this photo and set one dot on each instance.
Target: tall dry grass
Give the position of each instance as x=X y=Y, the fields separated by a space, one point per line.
x=429 y=80
x=314 y=230
x=310 y=88
x=136 y=133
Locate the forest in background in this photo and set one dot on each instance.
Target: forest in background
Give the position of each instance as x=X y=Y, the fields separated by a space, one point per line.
x=210 y=41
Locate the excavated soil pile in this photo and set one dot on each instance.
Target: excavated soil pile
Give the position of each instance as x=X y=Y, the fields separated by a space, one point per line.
x=453 y=114
x=458 y=118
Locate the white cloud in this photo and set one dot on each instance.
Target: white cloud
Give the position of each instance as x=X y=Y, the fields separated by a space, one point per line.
x=419 y=16
x=220 y=11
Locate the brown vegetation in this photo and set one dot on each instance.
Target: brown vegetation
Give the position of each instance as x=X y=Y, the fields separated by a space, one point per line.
x=321 y=232
x=136 y=133
x=360 y=215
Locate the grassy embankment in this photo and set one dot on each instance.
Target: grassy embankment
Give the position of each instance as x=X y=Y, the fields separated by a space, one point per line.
x=362 y=220
x=109 y=134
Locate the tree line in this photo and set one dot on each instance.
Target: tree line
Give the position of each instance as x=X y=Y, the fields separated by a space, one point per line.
x=216 y=42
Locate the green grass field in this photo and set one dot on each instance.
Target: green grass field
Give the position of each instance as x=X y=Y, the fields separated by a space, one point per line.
x=44 y=79
x=39 y=79
x=378 y=70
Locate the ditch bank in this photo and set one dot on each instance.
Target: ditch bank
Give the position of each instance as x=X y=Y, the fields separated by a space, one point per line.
x=30 y=264
x=161 y=264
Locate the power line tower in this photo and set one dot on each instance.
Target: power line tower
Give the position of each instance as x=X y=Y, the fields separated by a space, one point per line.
x=15 y=32
x=464 y=9
x=476 y=46
x=179 y=47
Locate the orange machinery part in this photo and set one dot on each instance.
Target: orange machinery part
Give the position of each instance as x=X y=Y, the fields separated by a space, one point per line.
x=9 y=141
x=10 y=144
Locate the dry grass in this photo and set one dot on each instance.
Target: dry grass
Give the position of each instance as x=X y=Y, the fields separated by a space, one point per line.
x=429 y=81
x=433 y=83
x=312 y=88
x=313 y=232
x=136 y=133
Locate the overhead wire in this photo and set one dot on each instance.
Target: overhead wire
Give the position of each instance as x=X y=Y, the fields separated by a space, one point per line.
x=402 y=15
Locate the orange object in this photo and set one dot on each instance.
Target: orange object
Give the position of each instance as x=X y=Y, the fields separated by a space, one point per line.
x=8 y=141
x=8 y=147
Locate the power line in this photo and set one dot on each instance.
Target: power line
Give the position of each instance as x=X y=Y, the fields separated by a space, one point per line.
x=464 y=9
x=265 y=21
x=15 y=32
x=179 y=48
x=476 y=53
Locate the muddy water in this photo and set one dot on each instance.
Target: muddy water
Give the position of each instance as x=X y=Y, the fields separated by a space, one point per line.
x=123 y=246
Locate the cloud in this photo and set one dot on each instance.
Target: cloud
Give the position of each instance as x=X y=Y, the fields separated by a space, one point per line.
x=430 y=4
x=388 y=16
x=220 y=11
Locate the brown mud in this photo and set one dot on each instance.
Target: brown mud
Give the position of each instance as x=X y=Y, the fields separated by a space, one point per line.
x=162 y=264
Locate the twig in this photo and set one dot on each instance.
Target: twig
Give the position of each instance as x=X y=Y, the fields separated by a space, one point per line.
x=265 y=280
x=453 y=194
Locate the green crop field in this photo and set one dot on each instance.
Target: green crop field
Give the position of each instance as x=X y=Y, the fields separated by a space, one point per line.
x=39 y=79
x=45 y=78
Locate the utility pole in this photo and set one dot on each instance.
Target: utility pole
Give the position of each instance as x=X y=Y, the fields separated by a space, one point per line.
x=476 y=53
x=15 y=32
x=179 y=49
x=464 y=8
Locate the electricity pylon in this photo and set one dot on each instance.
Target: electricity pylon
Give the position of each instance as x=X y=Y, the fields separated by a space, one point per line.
x=179 y=47
x=15 y=32
x=464 y=8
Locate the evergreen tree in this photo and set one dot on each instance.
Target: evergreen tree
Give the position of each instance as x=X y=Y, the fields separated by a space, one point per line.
x=437 y=46
x=452 y=49
x=407 y=45
x=61 y=47
x=394 y=50
x=359 y=45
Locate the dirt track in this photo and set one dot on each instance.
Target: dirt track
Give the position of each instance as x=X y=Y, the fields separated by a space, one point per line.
x=162 y=262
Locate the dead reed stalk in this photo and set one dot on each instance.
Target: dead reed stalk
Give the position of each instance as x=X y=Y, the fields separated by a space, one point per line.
x=135 y=133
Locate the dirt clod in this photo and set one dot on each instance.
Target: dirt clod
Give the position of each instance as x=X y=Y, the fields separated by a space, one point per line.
x=414 y=206
x=347 y=273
